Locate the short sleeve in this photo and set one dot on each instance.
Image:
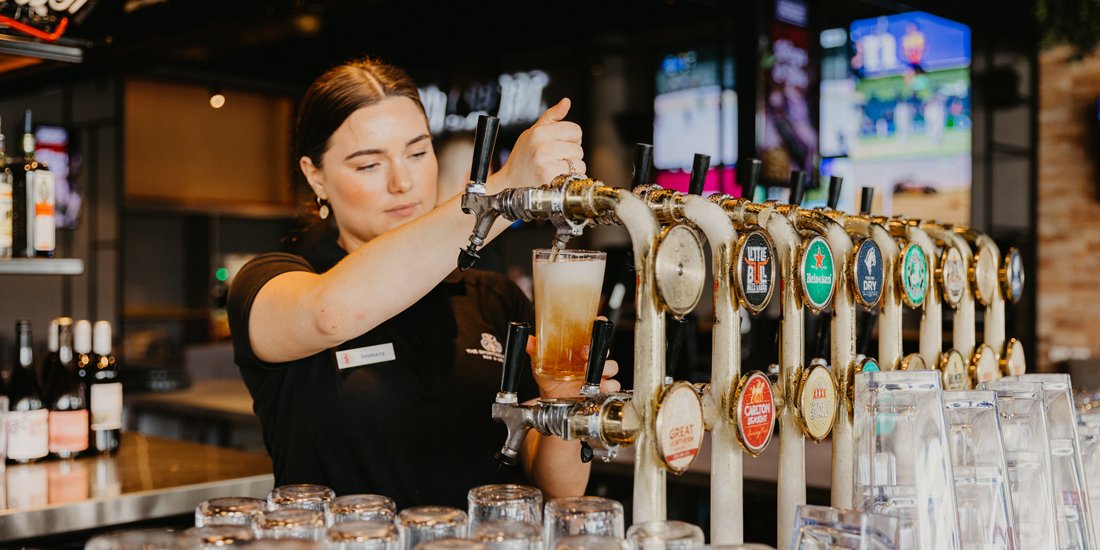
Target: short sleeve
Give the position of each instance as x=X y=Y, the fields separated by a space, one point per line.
x=242 y=293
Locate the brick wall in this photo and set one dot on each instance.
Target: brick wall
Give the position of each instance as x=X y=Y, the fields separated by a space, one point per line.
x=1068 y=209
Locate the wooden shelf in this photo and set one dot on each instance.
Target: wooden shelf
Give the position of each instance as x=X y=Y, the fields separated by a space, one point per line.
x=41 y=266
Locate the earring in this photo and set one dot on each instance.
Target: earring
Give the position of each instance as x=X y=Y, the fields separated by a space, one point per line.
x=322 y=208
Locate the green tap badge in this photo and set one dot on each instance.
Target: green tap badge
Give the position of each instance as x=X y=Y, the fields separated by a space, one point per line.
x=817 y=273
x=913 y=271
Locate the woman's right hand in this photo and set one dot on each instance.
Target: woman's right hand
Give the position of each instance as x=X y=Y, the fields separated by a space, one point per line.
x=544 y=151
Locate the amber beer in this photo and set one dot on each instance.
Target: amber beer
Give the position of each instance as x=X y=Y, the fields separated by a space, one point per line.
x=567 y=297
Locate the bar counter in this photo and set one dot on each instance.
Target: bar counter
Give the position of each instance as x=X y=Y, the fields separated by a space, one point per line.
x=149 y=478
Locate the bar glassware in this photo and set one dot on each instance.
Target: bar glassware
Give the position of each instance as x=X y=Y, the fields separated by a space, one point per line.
x=981 y=479
x=3 y=431
x=583 y=515
x=902 y=458
x=376 y=534
x=665 y=535
x=504 y=501
x=828 y=528
x=451 y=543
x=590 y=542
x=217 y=536
x=362 y=507
x=567 y=292
x=143 y=539
x=420 y=524
x=508 y=534
x=228 y=511
x=307 y=496
x=290 y=523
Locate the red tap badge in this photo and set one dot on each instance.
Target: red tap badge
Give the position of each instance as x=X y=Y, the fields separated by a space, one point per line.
x=755 y=412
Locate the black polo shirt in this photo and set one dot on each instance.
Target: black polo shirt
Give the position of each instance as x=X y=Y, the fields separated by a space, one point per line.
x=416 y=428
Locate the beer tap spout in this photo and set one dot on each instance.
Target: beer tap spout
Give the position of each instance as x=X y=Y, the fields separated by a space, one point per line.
x=506 y=409
x=474 y=199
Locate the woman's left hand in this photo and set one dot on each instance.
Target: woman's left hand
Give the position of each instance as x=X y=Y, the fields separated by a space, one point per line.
x=550 y=388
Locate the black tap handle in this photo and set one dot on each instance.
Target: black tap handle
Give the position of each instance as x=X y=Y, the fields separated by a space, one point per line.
x=835 y=183
x=484 y=141
x=798 y=187
x=675 y=331
x=867 y=194
x=597 y=352
x=749 y=178
x=467 y=258
x=586 y=452
x=699 y=174
x=643 y=165
x=514 y=349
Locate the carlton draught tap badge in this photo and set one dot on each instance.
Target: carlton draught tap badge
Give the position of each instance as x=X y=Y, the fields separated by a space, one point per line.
x=914 y=275
x=817 y=273
x=867 y=273
x=952 y=276
x=754 y=414
x=755 y=270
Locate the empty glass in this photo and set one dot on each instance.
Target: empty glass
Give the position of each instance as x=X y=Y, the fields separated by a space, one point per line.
x=302 y=495
x=584 y=515
x=903 y=465
x=451 y=543
x=1027 y=458
x=590 y=542
x=143 y=539
x=827 y=528
x=746 y=546
x=217 y=536
x=978 y=461
x=420 y=524
x=504 y=501
x=228 y=511
x=374 y=534
x=1067 y=473
x=1088 y=430
x=362 y=507
x=508 y=534
x=665 y=535
x=290 y=523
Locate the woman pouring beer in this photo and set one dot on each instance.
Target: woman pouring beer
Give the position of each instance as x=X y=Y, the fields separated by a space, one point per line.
x=372 y=362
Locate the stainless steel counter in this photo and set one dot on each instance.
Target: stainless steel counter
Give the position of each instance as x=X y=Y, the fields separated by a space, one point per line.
x=150 y=478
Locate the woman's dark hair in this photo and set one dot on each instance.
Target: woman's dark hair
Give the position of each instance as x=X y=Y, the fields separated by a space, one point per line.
x=338 y=93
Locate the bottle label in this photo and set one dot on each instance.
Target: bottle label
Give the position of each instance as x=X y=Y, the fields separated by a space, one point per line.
x=68 y=431
x=7 y=215
x=45 y=230
x=28 y=434
x=27 y=486
x=106 y=406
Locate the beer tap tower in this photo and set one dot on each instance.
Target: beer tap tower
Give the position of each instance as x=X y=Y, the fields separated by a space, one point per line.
x=953 y=266
x=914 y=266
x=572 y=202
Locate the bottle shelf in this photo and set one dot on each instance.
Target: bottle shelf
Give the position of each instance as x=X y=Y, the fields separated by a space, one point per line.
x=41 y=266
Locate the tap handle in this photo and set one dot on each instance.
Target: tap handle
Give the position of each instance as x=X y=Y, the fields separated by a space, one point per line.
x=597 y=352
x=467 y=257
x=797 y=184
x=514 y=349
x=485 y=139
x=675 y=331
x=699 y=174
x=586 y=452
x=835 y=183
x=867 y=194
x=643 y=165
x=749 y=178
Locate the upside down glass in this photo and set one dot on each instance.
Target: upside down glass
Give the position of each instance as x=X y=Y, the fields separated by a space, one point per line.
x=902 y=458
x=143 y=539
x=228 y=511
x=420 y=524
x=567 y=298
x=307 y=496
x=1088 y=429
x=590 y=542
x=290 y=523
x=508 y=534
x=665 y=535
x=584 y=515
x=218 y=536
x=504 y=501
x=362 y=507
x=363 y=535
x=828 y=528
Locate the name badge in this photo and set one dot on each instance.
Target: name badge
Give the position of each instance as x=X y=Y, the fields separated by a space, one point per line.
x=348 y=358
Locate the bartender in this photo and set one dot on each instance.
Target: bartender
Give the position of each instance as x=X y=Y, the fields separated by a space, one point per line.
x=372 y=362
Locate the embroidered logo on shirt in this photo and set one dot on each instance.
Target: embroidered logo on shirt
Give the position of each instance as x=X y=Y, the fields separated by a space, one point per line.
x=491 y=348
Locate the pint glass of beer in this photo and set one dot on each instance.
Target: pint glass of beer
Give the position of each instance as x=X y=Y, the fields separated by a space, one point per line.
x=567 y=297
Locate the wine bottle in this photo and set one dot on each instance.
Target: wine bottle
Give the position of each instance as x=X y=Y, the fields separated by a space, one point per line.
x=6 y=201
x=66 y=398
x=34 y=230
x=82 y=353
x=49 y=363
x=105 y=393
x=28 y=431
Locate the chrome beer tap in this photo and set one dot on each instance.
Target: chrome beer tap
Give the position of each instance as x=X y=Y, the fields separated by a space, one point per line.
x=888 y=316
x=955 y=263
x=915 y=266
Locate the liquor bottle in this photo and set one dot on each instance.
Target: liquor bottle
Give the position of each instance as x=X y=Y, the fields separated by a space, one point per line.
x=49 y=363
x=6 y=201
x=28 y=431
x=105 y=393
x=34 y=231
x=66 y=397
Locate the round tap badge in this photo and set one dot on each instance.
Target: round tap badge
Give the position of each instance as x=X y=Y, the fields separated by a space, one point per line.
x=1013 y=363
x=817 y=273
x=952 y=275
x=755 y=412
x=913 y=272
x=679 y=426
x=984 y=366
x=1012 y=275
x=867 y=273
x=680 y=269
x=983 y=275
x=817 y=402
x=755 y=270
x=861 y=364
x=953 y=366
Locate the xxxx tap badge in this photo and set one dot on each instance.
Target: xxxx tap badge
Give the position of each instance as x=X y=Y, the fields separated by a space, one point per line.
x=755 y=412
x=867 y=273
x=679 y=426
x=817 y=402
x=951 y=274
x=953 y=366
x=1012 y=275
x=913 y=272
x=817 y=273
x=984 y=366
x=755 y=270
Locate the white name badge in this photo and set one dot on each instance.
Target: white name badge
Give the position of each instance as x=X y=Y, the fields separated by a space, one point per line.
x=348 y=358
